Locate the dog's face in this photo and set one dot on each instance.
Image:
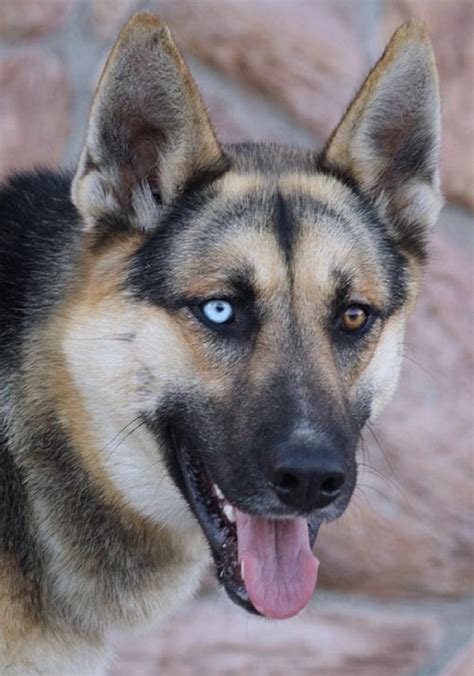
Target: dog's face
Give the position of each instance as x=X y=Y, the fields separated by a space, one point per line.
x=256 y=298
x=286 y=305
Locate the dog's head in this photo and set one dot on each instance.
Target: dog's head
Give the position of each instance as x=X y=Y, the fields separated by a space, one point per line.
x=254 y=298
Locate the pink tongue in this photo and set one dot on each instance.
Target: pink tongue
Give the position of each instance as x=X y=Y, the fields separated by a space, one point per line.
x=279 y=568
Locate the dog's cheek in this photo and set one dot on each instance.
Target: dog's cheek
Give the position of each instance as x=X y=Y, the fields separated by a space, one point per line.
x=379 y=379
x=162 y=360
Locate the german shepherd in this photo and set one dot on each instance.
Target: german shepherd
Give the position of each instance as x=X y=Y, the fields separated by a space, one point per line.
x=193 y=336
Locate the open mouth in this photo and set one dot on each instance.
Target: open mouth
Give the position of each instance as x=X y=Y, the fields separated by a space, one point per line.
x=266 y=565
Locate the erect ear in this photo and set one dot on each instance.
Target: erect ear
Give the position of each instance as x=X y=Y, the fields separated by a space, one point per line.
x=388 y=141
x=149 y=134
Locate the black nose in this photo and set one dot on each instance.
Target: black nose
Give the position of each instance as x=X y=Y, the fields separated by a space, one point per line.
x=308 y=479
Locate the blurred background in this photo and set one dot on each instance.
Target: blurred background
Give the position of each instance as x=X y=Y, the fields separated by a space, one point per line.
x=397 y=569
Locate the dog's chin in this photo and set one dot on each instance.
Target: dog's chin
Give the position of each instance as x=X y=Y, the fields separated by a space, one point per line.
x=217 y=518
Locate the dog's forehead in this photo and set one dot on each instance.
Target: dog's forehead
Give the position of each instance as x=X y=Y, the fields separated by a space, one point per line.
x=272 y=227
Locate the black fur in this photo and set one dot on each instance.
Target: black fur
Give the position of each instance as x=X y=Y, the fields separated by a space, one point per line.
x=39 y=242
x=285 y=226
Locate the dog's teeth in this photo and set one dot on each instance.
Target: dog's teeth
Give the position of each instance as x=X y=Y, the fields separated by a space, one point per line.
x=242 y=570
x=229 y=512
x=218 y=492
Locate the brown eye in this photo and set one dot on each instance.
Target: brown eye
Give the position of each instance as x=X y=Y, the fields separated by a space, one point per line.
x=354 y=318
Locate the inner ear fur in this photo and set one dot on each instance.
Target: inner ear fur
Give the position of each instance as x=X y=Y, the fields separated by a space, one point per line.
x=148 y=135
x=388 y=141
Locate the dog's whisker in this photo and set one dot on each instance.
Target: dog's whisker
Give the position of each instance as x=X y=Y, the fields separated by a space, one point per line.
x=378 y=491
x=128 y=434
x=389 y=481
x=363 y=447
x=379 y=446
x=123 y=429
x=121 y=338
x=420 y=366
x=358 y=495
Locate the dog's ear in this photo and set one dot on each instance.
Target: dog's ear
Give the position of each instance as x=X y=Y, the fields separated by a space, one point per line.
x=388 y=141
x=149 y=135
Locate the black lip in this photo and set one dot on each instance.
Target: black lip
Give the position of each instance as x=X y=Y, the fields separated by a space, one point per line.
x=213 y=530
x=313 y=530
x=214 y=534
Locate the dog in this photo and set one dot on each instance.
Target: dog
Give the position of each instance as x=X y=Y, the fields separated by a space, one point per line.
x=193 y=336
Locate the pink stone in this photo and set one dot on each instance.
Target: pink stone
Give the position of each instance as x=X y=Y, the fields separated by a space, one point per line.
x=463 y=663
x=34 y=110
x=20 y=18
x=214 y=637
x=109 y=16
x=305 y=55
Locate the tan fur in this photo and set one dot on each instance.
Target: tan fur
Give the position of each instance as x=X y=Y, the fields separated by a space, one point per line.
x=18 y=615
x=234 y=184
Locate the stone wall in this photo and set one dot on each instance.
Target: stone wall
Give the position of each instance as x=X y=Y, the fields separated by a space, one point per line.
x=284 y=70
x=293 y=63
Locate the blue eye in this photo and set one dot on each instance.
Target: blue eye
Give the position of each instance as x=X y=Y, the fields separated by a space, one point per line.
x=218 y=311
